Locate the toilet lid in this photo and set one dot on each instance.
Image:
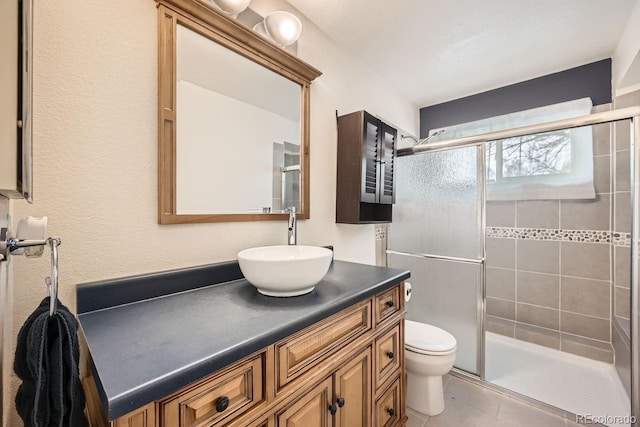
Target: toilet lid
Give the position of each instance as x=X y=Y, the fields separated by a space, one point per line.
x=422 y=337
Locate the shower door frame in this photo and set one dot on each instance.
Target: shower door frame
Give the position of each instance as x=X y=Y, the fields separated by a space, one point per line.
x=633 y=115
x=480 y=251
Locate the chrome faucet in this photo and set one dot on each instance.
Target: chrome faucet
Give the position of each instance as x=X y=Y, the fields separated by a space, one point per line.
x=292 y=226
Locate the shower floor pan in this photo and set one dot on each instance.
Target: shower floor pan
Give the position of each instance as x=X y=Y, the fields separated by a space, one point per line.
x=569 y=382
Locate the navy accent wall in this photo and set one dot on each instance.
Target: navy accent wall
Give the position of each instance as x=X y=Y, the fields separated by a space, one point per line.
x=592 y=80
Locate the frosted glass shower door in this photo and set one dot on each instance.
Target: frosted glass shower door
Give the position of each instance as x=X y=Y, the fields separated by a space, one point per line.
x=436 y=234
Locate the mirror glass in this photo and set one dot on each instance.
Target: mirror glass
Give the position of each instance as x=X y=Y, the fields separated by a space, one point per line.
x=238 y=132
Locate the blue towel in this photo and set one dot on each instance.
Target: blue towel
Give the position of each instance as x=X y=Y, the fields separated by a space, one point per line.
x=46 y=361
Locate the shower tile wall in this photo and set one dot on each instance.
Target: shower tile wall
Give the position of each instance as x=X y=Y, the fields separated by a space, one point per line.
x=622 y=254
x=622 y=217
x=548 y=275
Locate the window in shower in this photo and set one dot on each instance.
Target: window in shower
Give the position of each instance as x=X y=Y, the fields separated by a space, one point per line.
x=529 y=155
x=550 y=165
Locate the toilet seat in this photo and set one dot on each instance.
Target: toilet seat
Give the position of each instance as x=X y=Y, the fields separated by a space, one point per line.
x=428 y=339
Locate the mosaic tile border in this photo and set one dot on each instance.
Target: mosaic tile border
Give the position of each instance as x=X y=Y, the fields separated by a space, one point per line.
x=586 y=236
x=621 y=239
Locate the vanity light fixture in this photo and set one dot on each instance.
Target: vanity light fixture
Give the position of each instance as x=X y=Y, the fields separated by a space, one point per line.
x=231 y=7
x=283 y=28
x=259 y=28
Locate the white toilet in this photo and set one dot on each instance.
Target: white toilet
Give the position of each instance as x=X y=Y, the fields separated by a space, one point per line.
x=429 y=354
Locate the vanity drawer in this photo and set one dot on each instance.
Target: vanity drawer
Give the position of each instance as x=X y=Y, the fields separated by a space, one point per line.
x=216 y=400
x=387 y=410
x=387 y=356
x=387 y=303
x=302 y=352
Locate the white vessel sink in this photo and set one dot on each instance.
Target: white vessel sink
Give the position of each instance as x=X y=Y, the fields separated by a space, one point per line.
x=284 y=271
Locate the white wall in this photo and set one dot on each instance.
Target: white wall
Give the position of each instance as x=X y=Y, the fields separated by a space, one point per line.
x=626 y=57
x=95 y=156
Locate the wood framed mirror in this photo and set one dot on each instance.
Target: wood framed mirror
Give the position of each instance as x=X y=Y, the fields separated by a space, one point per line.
x=233 y=120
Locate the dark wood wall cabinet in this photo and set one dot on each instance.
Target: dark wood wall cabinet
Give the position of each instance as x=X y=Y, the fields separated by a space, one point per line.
x=366 y=168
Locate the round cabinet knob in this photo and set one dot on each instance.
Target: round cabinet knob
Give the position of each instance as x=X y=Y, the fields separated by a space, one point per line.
x=222 y=403
x=333 y=409
x=391 y=412
x=390 y=303
x=340 y=402
x=390 y=354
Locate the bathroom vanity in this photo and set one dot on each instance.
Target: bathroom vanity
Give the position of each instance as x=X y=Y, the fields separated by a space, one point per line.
x=201 y=347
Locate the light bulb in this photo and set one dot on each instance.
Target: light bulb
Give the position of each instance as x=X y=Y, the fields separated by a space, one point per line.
x=282 y=27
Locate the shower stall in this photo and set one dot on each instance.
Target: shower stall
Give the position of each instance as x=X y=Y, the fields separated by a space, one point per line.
x=523 y=243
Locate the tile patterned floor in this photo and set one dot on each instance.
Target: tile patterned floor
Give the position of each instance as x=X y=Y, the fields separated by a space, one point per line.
x=471 y=405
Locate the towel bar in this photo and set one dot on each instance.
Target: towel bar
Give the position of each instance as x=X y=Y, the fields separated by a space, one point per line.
x=7 y=246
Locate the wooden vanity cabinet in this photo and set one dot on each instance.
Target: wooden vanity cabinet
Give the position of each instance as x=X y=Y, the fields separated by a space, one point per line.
x=344 y=371
x=220 y=398
x=342 y=400
x=388 y=407
x=353 y=392
x=310 y=409
x=366 y=169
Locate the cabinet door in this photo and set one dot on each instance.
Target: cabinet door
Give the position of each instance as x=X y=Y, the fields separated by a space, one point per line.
x=353 y=392
x=369 y=188
x=387 y=157
x=311 y=410
x=378 y=161
x=143 y=417
x=264 y=421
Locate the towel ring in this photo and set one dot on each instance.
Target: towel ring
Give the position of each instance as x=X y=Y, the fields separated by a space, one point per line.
x=52 y=281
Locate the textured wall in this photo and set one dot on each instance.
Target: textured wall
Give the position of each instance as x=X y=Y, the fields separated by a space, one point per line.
x=6 y=359
x=95 y=137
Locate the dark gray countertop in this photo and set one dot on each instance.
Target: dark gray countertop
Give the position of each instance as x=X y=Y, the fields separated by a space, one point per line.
x=191 y=325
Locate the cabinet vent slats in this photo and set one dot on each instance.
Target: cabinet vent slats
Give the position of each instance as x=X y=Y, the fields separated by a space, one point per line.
x=371 y=172
x=389 y=142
